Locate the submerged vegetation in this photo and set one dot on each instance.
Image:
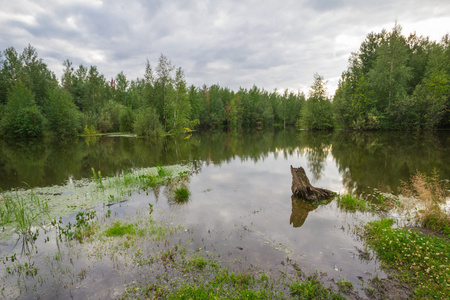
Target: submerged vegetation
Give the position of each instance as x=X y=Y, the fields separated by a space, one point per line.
x=22 y=209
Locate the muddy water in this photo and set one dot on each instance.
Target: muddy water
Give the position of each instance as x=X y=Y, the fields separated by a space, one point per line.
x=240 y=208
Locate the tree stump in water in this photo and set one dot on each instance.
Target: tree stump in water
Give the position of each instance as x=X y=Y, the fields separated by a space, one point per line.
x=302 y=188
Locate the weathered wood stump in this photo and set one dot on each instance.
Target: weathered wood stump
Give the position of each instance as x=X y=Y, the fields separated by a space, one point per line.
x=302 y=188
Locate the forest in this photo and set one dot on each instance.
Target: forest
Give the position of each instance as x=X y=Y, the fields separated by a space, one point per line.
x=392 y=82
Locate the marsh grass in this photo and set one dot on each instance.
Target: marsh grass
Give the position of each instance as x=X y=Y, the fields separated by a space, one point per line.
x=199 y=276
x=15 y=209
x=426 y=195
x=120 y=229
x=352 y=203
x=181 y=194
x=98 y=178
x=421 y=260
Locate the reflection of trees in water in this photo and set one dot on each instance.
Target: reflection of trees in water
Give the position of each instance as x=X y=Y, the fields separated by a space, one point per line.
x=383 y=159
x=364 y=159
x=316 y=145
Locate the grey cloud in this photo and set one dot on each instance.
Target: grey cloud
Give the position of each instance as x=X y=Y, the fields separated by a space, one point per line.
x=233 y=43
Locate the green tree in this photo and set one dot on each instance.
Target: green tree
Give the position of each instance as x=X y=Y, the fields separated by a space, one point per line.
x=180 y=106
x=389 y=77
x=317 y=112
x=62 y=115
x=163 y=86
x=22 y=117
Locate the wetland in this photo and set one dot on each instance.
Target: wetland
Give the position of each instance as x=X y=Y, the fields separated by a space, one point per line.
x=193 y=215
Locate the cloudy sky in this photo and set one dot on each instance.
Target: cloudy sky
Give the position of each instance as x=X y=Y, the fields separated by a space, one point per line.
x=272 y=44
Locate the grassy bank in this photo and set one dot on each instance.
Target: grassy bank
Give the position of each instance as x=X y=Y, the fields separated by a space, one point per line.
x=420 y=260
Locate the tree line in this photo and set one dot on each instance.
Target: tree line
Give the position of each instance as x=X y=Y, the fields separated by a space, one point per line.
x=392 y=82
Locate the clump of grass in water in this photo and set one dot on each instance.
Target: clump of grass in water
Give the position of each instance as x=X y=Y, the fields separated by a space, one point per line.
x=120 y=229
x=420 y=260
x=181 y=194
x=351 y=203
x=428 y=193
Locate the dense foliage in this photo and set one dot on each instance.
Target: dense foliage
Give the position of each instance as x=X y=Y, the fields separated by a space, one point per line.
x=392 y=82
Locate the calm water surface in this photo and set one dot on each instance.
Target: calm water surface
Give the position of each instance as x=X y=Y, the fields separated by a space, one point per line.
x=240 y=205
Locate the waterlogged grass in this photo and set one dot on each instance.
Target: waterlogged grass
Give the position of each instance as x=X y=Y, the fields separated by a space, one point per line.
x=22 y=209
x=20 y=213
x=205 y=278
x=120 y=229
x=312 y=288
x=83 y=227
x=421 y=260
x=352 y=203
x=181 y=194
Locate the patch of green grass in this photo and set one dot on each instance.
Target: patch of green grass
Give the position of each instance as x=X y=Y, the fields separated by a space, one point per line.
x=352 y=203
x=181 y=194
x=421 y=260
x=345 y=286
x=312 y=288
x=198 y=262
x=120 y=229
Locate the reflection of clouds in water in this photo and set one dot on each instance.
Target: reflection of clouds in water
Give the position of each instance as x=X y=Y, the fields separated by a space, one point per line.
x=258 y=196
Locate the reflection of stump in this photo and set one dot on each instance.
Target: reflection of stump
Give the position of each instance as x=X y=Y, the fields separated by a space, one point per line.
x=300 y=210
x=301 y=187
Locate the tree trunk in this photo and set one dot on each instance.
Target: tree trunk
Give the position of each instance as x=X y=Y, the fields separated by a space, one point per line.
x=301 y=187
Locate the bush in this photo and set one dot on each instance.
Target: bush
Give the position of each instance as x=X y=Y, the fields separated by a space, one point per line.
x=110 y=116
x=126 y=120
x=147 y=123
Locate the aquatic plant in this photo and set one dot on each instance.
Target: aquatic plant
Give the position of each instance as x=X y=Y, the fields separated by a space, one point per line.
x=82 y=228
x=181 y=194
x=14 y=208
x=119 y=229
x=421 y=260
x=98 y=178
x=351 y=203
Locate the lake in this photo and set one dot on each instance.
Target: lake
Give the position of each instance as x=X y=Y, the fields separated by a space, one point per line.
x=240 y=208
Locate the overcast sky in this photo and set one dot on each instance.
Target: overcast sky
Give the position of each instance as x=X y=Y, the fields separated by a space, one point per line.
x=272 y=44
